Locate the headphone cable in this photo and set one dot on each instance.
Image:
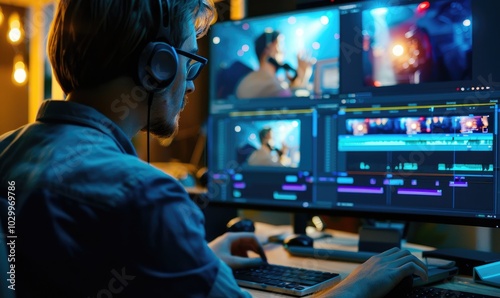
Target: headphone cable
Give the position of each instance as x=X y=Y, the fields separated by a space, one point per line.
x=150 y=101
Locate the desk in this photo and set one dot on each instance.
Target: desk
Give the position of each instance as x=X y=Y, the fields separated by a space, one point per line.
x=276 y=254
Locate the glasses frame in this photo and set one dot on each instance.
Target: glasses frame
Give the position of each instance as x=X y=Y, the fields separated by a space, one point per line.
x=199 y=60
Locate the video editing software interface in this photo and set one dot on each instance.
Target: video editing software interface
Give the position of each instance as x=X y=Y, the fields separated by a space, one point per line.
x=400 y=117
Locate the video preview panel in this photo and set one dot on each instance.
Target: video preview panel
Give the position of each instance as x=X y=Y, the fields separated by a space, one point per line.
x=417 y=43
x=262 y=158
x=276 y=56
x=419 y=47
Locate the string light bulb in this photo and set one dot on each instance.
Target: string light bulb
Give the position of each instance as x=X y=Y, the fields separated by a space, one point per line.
x=1 y=16
x=19 y=73
x=15 y=30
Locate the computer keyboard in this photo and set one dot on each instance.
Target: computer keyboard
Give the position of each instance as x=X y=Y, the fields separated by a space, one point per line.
x=431 y=292
x=284 y=279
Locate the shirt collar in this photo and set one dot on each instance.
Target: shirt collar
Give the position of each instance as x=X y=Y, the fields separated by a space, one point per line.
x=58 y=111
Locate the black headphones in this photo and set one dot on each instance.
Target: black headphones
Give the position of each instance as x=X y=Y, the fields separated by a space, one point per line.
x=157 y=65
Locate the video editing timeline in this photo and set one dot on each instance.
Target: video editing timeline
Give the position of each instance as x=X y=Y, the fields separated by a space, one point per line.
x=438 y=158
x=264 y=155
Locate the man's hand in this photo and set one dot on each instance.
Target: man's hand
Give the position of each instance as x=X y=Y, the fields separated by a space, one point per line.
x=378 y=275
x=233 y=248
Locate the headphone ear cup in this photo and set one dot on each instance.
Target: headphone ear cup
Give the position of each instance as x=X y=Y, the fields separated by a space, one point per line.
x=157 y=66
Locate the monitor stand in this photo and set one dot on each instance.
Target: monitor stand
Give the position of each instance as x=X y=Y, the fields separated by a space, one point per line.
x=299 y=222
x=378 y=236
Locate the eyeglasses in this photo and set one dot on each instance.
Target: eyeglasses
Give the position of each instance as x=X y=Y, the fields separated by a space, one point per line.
x=195 y=65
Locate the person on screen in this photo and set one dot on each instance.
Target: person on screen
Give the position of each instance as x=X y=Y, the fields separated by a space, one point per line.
x=263 y=82
x=93 y=219
x=267 y=154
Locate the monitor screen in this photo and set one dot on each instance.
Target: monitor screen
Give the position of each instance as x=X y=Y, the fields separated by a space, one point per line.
x=403 y=145
x=237 y=48
x=401 y=47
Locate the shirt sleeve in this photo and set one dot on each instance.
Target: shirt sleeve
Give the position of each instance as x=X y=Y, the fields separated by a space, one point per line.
x=170 y=256
x=225 y=285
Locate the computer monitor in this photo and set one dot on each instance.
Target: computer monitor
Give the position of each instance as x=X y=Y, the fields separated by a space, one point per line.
x=417 y=147
x=235 y=47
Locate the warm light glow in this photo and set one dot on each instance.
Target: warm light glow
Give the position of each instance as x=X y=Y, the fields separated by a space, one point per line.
x=1 y=16
x=398 y=50
x=20 y=76
x=19 y=64
x=15 y=35
x=14 y=21
x=15 y=30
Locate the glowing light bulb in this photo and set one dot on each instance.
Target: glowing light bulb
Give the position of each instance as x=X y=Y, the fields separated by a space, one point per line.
x=1 y=16
x=20 y=76
x=15 y=35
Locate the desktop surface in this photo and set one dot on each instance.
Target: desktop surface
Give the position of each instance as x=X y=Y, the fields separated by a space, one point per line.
x=277 y=254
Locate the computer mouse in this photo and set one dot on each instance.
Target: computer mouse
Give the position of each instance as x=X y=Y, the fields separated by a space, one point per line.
x=402 y=288
x=239 y=224
x=299 y=240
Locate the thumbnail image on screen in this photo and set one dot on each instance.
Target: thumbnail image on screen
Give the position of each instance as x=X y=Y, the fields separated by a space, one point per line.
x=263 y=57
x=417 y=43
x=271 y=143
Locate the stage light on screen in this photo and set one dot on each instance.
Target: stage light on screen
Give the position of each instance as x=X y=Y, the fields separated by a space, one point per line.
x=324 y=20
x=466 y=22
x=379 y=12
x=245 y=48
x=398 y=50
x=237 y=128
x=316 y=45
x=423 y=6
x=292 y=20
x=299 y=32
x=216 y=40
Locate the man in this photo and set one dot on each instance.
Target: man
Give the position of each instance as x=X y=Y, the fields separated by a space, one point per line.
x=263 y=82
x=267 y=155
x=94 y=220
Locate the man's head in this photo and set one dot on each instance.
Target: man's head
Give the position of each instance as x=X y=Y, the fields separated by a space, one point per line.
x=268 y=45
x=265 y=135
x=93 y=42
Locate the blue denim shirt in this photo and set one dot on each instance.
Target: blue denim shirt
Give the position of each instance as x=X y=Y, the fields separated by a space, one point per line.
x=93 y=220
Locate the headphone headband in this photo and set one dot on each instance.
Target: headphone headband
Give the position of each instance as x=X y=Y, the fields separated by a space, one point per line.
x=157 y=65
